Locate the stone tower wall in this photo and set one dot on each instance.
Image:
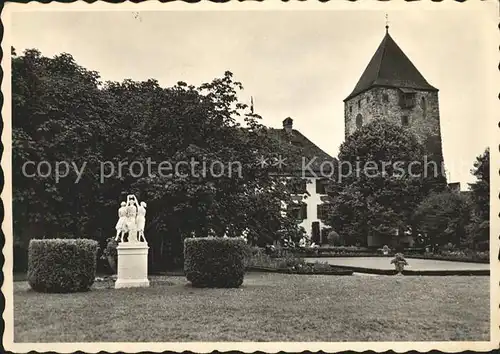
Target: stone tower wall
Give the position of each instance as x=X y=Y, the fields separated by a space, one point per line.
x=381 y=102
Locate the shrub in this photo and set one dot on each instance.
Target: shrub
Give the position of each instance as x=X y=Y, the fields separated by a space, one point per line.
x=110 y=253
x=289 y=261
x=214 y=261
x=61 y=265
x=255 y=256
x=334 y=238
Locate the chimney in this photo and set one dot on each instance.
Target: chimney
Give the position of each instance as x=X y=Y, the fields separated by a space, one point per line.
x=288 y=125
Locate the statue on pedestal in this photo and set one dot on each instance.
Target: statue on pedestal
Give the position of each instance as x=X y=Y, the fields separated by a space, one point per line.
x=132 y=220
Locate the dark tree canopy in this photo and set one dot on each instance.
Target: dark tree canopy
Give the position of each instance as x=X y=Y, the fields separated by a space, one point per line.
x=383 y=180
x=443 y=218
x=479 y=229
x=63 y=112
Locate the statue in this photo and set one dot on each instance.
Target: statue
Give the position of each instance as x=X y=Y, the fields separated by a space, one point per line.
x=399 y=262
x=132 y=220
x=141 y=219
x=120 y=225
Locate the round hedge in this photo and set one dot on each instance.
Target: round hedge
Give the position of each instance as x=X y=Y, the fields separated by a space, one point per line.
x=62 y=265
x=214 y=262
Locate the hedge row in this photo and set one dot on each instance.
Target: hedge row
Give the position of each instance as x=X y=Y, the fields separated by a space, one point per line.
x=62 y=265
x=214 y=261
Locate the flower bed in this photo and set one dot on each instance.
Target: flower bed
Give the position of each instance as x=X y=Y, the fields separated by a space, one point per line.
x=307 y=268
x=457 y=256
x=341 y=254
x=292 y=255
x=318 y=268
x=258 y=260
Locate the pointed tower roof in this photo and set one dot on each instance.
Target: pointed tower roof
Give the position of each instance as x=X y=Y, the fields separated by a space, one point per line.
x=390 y=67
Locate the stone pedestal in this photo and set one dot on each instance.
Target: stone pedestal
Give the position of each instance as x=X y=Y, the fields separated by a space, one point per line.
x=132 y=265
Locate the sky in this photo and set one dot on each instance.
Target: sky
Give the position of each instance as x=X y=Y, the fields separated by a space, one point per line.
x=298 y=64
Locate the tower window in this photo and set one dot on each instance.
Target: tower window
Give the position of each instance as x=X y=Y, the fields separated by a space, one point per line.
x=407 y=98
x=385 y=97
x=405 y=121
x=359 y=103
x=350 y=109
x=359 y=121
x=423 y=105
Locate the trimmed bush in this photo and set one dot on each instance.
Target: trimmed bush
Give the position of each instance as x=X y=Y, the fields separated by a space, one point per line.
x=62 y=265
x=214 y=262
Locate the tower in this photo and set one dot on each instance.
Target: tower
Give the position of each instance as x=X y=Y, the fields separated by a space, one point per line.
x=392 y=88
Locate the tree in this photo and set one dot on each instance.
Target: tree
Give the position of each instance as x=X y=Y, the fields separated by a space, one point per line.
x=479 y=228
x=379 y=180
x=58 y=115
x=62 y=112
x=443 y=218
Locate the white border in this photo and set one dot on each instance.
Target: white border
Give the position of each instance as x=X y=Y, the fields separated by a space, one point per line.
x=247 y=347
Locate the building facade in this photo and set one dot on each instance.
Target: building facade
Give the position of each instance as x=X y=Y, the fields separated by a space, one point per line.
x=309 y=197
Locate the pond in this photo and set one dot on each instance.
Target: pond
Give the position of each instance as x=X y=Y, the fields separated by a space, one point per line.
x=385 y=263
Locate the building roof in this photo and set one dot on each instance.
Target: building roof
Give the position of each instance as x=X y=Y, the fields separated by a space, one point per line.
x=313 y=156
x=390 y=67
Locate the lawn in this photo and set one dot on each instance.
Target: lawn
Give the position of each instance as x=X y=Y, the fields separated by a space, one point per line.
x=268 y=307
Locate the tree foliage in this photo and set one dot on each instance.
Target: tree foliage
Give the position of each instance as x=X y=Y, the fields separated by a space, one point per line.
x=479 y=228
x=380 y=180
x=443 y=218
x=63 y=112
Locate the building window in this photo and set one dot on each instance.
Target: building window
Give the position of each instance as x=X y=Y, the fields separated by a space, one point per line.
x=320 y=186
x=297 y=186
x=303 y=211
x=407 y=100
x=350 y=109
x=359 y=103
x=385 y=97
x=423 y=105
x=298 y=211
x=405 y=121
x=322 y=210
x=359 y=120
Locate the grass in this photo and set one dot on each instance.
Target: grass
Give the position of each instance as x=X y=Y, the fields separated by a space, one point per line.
x=268 y=307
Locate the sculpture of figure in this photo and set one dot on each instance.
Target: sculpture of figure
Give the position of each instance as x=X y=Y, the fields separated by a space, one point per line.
x=130 y=219
x=120 y=225
x=399 y=262
x=141 y=219
x=303 y=242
